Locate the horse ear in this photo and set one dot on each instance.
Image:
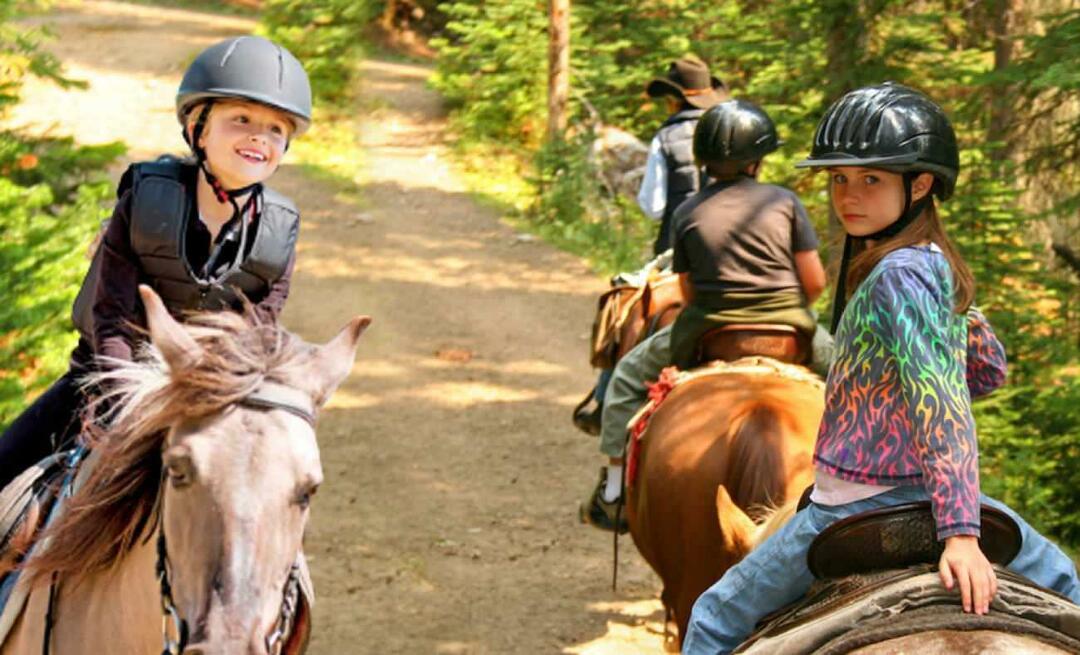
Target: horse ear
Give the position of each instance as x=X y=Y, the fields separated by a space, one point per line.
x=334 y=361
x=176 y=345
x=736 y=528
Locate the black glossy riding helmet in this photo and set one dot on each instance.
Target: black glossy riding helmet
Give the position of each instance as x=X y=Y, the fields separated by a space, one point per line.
x=891 y=127
x=734 y=131
x=248 y=68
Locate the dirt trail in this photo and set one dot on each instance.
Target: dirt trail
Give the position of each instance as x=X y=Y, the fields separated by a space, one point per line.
x=447 y=523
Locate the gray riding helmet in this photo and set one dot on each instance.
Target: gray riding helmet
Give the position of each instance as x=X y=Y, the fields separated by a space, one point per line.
x=734 y=131
x=248 y=68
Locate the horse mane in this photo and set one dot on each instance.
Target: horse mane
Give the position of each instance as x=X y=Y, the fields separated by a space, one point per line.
x=117 y=505
x=772 y=520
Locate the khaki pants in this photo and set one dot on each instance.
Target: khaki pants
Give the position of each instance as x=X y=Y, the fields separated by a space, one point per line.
x=628 y=389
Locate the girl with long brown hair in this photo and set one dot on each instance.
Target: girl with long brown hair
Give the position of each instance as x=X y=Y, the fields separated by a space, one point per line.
x=897 y=426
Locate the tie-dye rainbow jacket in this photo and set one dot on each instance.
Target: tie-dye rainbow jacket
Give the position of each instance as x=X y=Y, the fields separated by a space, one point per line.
x=897 y=399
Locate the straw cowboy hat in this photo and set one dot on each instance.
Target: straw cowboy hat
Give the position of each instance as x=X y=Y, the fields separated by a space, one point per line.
x=689 y=79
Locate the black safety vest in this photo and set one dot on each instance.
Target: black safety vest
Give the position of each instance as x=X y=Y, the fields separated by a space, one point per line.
x=684 y=177
x=160 y=210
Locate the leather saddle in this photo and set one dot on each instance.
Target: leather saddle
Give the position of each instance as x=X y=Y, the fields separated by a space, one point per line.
x=876 y=580
x=783 y=343
x=901 y=536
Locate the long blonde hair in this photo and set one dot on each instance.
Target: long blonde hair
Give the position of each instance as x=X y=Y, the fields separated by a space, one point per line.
x=926 y=227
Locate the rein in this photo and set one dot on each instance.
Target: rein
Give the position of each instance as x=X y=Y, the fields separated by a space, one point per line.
x=268 y=396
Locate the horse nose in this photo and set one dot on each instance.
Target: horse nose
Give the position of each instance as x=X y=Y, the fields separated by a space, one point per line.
x=204 y=648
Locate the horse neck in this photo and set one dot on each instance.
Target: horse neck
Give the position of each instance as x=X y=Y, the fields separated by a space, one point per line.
x=119 y=607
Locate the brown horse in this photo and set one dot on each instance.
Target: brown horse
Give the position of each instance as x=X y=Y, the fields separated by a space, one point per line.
x=629 y=314
x=206 y=470
x=730 y=441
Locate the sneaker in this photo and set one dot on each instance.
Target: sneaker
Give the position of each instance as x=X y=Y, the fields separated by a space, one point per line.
x=600 y=513
x=587 y=417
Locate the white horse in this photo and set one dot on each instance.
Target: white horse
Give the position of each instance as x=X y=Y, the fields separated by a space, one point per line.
x=204 y=472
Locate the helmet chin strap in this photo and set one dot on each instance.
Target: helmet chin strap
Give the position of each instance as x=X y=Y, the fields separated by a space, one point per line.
x=910 y=213
x=222 y=194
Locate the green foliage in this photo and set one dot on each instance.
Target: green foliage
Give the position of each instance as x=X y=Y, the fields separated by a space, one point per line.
x=324 y=36
x=493 y=68
x=51 y=194
x=572 y=212
x=48 y=212
x=1047 y=79
x=1018 y=121
x=1031 y=457
x=20 y=53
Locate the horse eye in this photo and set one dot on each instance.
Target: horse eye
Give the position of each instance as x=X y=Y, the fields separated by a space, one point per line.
x=303 y=498
x=180 y=469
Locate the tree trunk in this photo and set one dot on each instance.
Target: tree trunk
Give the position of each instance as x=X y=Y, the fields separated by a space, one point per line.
x=845 y=30
x=1004 y=19
x=558 y=68
x=1066 y=253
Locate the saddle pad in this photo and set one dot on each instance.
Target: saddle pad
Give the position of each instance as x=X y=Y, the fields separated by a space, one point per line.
x=837 y=614
x=746 y=366
x=15 y=498
x=13 y=593
x=672 y=378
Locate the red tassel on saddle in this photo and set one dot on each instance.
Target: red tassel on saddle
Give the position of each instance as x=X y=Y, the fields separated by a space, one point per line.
x=658 y=391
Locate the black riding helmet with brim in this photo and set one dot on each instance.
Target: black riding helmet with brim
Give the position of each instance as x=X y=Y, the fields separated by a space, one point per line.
x=735 y=131
x=893 y=128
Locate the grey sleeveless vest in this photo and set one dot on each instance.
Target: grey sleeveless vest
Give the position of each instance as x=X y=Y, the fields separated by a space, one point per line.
x=160 y=207
x=684 y=177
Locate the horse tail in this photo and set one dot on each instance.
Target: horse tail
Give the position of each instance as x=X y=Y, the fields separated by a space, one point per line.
x=756 y=476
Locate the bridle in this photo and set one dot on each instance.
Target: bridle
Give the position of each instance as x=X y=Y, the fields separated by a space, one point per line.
x=269 y=396
x=170 y=615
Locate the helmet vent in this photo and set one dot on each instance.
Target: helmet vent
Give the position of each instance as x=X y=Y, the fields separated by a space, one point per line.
x=230 y=50
x=280 y=69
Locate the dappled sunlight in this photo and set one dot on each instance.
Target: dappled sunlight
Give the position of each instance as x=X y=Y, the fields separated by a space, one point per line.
x=569 y=400
x=345 y=399
x=638 y=608
x=517 y=367
x=413 y=242
x=146 y=82
x=638 y=630
x=372 y=68
x=469 y=394
x=449 y=273
x=379 y=368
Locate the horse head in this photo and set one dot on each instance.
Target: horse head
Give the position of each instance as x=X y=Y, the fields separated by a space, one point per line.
x=210 y=452
x=238 y=484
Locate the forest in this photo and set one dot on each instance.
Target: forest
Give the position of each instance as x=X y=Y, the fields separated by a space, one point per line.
x=1005 y=71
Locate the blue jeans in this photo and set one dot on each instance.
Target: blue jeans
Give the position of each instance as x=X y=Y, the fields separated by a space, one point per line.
x=775 y=574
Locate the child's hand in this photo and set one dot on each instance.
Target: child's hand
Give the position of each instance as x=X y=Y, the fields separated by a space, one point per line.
x=963 y=562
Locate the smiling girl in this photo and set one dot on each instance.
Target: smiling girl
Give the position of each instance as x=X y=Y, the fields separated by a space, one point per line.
x=204 y=233
x=897 y=426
